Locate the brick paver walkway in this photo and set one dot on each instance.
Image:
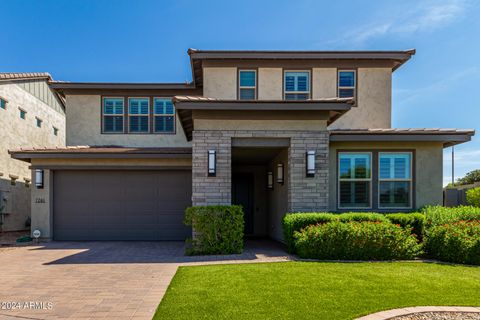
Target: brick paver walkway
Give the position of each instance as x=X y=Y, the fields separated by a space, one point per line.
x=96 y=280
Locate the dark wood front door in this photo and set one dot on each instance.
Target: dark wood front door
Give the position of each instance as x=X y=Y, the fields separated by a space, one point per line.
x=242 y=194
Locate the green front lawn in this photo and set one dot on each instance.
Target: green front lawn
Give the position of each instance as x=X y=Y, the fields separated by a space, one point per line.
x=314 y=290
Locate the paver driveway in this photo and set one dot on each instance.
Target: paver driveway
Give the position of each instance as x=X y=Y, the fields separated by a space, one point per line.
x=95 y=280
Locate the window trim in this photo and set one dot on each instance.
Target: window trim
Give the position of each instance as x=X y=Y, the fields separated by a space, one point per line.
x=355 y=72
x=24 y=111
x=309 y=71
x=154 y=115
x=364 y=179
x=379 y=180
x=239 y=87
x=103 y=115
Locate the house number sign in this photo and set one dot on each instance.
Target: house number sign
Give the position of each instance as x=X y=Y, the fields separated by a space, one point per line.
x=40 y=200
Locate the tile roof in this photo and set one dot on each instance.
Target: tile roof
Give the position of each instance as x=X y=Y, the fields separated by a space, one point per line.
x=104 y=150
x=207 y=99
x=24 y=75
x=403 y=131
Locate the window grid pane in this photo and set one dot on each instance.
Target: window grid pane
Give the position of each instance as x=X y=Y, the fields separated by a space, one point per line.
x=138 y=106
x=354 y=180
x=247 y=94
x=113 y=106
x=164 y=124
x=395 y=180
x=248 y=78
x=297 y=85
x=346 y=84
x=113 y=124
x=163 y=106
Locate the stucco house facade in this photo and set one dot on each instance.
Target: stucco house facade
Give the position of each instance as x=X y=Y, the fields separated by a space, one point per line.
x=31 y=115
x=274 y=131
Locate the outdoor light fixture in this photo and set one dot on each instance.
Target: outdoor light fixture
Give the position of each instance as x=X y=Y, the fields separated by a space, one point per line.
x=39 y=178
x=270 y=180
x=212 y=163
x=310 y=163
x=280 y=173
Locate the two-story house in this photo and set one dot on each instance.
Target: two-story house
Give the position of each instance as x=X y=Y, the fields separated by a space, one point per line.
x=31 y=115
x=275 y=131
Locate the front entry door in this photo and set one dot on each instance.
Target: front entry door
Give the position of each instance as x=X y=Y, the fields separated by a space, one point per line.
x=242 y=194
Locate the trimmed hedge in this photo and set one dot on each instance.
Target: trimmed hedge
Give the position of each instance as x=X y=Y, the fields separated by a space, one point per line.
x=338 y=240
x=296 y=221
x=458 y=242
x=218 y=229
x=414 y=221
x=438 y=215
x=293 y=222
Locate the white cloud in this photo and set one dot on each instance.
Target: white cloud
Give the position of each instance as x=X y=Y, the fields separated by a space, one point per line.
x=426 y=16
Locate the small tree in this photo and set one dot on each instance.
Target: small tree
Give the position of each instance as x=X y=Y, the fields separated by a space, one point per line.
x=470 y=178
x=473 y=197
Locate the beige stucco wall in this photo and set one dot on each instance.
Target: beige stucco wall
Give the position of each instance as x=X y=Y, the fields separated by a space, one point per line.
x=84 y=127
x=220 y=83
x=324 y=83
x=225 y=124
x=18 y=133
x=428 y=168
x=270 y=84
x=374 y=101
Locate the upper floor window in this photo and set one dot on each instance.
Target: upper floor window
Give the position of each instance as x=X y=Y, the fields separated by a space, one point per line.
x=3 y=103
x=346 y=84
x=297 y=85
x=39 y=122
x=138 y=115
x=354 y=180
x=55 y=131
x=247 y=85
x=113 y=111
x=164 y=115
x=23 y=113
x=395 y=180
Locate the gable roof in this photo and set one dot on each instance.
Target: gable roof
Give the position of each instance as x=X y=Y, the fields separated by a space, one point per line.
x=8 y=76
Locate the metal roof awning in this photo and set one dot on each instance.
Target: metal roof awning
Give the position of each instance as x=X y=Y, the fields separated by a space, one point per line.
x=448 y=137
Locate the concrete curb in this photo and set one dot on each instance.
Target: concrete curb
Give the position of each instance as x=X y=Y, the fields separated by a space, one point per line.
x=388 y=314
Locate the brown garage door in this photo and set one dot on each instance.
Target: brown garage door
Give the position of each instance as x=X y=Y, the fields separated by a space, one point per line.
x=121 y=205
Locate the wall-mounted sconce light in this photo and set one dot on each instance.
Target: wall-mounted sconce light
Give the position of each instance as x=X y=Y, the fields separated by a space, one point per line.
x=212 y=163
x=39 y=178
x=270 y=180
x=310 y=163
x=280 y=172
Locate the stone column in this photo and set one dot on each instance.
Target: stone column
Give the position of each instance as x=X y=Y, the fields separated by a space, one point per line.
x=308 y=193
x=211 y=190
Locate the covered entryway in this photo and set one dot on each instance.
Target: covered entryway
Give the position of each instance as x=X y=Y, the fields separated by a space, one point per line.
x=121 y=204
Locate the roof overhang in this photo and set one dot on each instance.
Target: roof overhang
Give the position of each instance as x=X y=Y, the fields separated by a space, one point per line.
x=448 y=137
x=186 y=105
x=394 y=59
x=101 y=153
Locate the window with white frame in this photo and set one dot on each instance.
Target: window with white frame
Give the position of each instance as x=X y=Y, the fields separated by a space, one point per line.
x=346 y=84
x=113 y=111
x=164 y=115
x=297 y=85
x=138 y=115
x=247 y=83
x=354 y=180
x=395 y=180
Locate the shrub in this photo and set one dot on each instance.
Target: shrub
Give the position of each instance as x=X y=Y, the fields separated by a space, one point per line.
x=356 y=241
x=296 y=221
x=458 y=242
x=413 y=221
x=473 y=197
x=218 y=229
x=438 y=215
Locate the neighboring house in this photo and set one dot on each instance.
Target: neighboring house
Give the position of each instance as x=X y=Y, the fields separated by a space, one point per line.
x=275 y=131
x=31 y=115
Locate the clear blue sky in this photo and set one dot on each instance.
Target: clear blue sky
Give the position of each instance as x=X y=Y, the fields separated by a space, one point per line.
x=146 y=41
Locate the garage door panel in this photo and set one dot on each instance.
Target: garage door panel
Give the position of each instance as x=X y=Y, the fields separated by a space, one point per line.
x=121 y=205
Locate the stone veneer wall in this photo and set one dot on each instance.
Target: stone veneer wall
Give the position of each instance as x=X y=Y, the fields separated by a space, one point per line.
x=304 y=194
